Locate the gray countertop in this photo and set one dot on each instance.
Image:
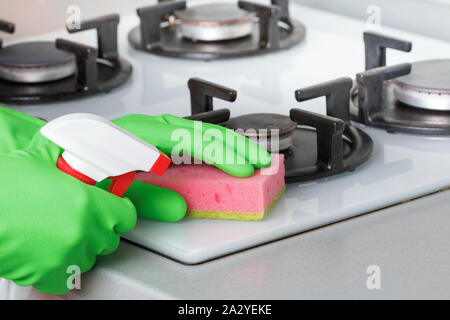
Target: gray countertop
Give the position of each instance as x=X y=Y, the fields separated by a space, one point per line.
x=409 y=243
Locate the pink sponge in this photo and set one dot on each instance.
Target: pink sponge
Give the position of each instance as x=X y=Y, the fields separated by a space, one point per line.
x=211 y=193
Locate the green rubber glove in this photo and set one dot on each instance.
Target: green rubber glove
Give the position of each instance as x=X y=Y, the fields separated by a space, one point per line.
x=50 y=221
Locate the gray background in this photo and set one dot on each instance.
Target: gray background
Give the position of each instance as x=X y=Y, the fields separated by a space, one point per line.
x=427 y=17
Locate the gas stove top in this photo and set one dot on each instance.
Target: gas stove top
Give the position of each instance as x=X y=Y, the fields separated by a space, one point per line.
x=389 y=168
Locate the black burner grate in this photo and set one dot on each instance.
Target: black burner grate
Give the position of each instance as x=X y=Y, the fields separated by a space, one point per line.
x=98 y=70
x=373 y=100
x=322 y=145
x=274 y=30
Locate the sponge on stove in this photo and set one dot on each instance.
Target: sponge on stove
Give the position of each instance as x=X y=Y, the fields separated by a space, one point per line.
x=211 y=193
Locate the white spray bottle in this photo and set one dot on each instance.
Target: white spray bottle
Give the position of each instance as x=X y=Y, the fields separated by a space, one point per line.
x=97 y=149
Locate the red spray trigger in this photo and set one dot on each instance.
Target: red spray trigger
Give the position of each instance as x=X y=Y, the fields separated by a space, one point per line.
x=96 y=149
x=120 y=184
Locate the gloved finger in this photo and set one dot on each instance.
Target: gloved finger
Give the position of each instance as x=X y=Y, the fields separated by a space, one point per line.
x=111 y=243
x=176 y=135
x=152 y=129
x=153 y=202
x=216 y=151
x=120 y=213
x=58 y=280
x=102 y=237
x=252 y=152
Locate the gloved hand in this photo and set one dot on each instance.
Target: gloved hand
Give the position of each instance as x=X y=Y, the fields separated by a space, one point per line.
x=162 y=131
x=50 y=221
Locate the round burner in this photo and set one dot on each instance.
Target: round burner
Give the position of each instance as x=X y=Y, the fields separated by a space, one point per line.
x=266 y=126
x=163 y=35
x=426 y=87
x=35 y=62
x=215 y=22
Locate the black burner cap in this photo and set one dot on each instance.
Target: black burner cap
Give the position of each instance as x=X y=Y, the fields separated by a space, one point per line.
x=262 y=121
x=34 y=54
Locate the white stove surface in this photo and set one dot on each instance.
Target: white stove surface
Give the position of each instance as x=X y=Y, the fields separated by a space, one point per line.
x=402 y=166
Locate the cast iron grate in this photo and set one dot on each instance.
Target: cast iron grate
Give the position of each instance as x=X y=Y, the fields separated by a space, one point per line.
x=322 y=145
x=273 y=30
x=98 y=70
x=373 y=100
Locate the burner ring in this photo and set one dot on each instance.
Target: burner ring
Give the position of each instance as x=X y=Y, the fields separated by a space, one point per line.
x=214 y=14
x=215 y=22
x=427 y=86
x=35 y=62
x=65 y=89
